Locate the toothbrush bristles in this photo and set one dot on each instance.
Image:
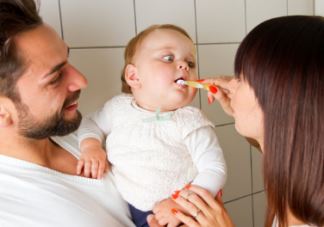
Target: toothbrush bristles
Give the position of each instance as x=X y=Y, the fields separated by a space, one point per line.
x=181 y=82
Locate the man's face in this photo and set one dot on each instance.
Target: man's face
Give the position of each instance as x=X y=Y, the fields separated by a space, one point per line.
x=54 y=124
x=49 y=88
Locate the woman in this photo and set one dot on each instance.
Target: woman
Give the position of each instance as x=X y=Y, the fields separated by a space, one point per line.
x=277 y=99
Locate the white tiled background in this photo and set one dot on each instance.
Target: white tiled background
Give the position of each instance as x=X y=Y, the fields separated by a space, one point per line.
x=98 y=30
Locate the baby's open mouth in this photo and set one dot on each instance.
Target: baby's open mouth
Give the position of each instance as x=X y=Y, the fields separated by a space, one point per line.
x=180 y=81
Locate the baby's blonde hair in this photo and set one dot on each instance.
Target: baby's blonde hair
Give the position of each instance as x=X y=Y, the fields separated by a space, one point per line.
x=133 y=44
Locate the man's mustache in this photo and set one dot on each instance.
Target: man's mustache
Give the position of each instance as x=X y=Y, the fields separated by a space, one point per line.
x=75 y=96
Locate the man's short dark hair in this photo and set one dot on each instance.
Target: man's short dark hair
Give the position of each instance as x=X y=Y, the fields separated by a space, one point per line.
x=16 y=16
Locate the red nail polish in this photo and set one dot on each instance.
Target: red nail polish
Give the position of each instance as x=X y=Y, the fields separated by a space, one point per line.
x=209 y=100
x=213 y=89
x=175 y=195
x=187 y=186
x=220 y=193
x=200 y=80
x=174 y=211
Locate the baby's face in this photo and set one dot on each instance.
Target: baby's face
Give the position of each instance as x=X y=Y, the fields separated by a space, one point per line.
x=164 y=56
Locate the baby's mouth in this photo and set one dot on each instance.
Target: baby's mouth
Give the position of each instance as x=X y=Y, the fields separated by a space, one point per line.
x=180 y=81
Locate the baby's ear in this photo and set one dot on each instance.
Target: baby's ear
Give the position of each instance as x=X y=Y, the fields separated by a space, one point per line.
x=131 y=76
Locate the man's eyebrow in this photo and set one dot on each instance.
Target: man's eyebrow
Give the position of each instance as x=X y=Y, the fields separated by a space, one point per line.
x=58 y=66
x=55 y=68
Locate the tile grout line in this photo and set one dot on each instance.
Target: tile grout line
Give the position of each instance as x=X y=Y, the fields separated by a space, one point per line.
x=135 y=18
x=123 y=46
x=225 y=124
x=197 y=48
x=243 y=196
x=60 y=17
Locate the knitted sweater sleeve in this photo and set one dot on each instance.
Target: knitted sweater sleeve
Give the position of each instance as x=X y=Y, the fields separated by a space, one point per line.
x=200 y=139
x=97 y=124
x=208 y=157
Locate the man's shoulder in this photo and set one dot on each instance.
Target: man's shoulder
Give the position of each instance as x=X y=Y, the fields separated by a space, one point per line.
x=68 y=142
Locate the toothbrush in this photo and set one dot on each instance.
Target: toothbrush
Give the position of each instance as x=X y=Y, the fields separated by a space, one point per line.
x=198 y=84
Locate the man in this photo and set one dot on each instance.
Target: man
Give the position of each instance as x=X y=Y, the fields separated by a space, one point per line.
x=39 y=93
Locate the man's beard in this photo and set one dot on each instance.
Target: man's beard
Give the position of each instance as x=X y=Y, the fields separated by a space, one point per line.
x=55 y=125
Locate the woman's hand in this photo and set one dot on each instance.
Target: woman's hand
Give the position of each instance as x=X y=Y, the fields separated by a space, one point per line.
x=223 y=94
x=152 y=222
x=204 y=210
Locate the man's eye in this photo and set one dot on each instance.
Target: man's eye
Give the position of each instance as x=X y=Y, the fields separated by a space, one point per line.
x=168 y=58
x=56 y=79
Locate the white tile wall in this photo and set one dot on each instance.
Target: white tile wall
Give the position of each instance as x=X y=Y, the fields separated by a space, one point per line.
x=260 y=10
x=237 y=155
x=98 y=30
x=319 y=7
x=259 y=209
x=257 y=170
x=304 y=7
x=49 y=11
x=216 y=60
x=241 y=212
x=97 y=22
x=220 y=21
x=178 y=12
x=102 y=68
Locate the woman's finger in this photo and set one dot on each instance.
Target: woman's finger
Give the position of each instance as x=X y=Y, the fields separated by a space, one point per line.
x=217 y=209
x=205 y=195
x=186 y=219
x=223 y=83
x=152 y=222
x=195 y=206
x=222 y=97
x=220 y=81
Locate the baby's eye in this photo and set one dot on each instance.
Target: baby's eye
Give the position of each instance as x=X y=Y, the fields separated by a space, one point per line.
x=168 y=58
x=191 y=64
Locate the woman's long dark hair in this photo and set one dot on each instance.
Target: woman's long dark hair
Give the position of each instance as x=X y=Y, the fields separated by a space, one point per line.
x=282 y=59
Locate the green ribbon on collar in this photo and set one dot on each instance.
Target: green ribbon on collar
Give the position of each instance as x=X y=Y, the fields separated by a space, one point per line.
x=159 y=116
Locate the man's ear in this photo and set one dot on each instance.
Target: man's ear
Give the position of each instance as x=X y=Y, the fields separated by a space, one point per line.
x=131 y=76
x=5 y=116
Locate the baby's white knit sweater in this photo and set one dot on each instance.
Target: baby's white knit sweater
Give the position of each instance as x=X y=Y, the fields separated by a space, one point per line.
x=155 y=154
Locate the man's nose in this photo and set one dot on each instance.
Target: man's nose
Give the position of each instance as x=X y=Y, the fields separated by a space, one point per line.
x=77 y=80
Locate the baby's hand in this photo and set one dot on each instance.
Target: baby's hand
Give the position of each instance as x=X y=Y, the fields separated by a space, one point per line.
x=93 y=161
x=163 y=213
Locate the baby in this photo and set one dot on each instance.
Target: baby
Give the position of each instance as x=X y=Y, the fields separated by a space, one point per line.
x=154 y=141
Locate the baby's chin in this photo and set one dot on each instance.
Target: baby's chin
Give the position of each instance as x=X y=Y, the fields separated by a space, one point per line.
x=180 y=104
